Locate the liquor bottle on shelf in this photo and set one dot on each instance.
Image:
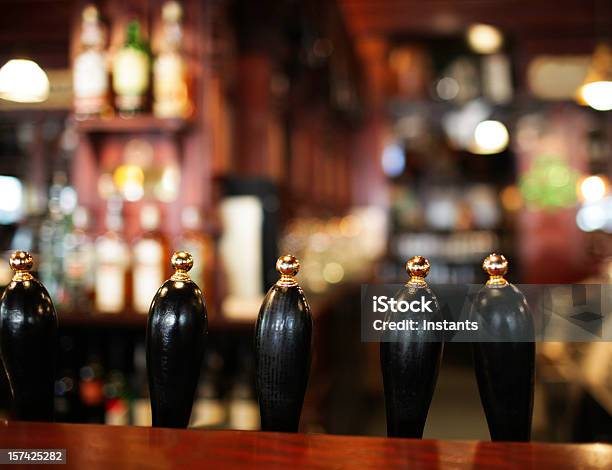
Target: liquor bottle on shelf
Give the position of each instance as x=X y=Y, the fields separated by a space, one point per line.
x=51 y=242
x=150 y=255
x=90 y=70
x=283 y=336
x=131 y=70
x=410 y=360
x=28 y=342
x=504 y=359
x=112 y=263
x=200 y=245
x=176 y=339
x=79 y=263
x=170 y=85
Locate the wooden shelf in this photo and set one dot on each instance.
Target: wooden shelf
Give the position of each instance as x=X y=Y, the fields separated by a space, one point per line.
x=141 y=123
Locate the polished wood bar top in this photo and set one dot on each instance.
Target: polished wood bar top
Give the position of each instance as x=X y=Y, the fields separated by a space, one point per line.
x=112 y=447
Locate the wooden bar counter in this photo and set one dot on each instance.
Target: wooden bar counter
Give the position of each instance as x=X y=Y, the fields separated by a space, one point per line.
x=113 y=447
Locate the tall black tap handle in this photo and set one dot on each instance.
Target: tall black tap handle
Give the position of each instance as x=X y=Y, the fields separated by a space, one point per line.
x=28 y=341
x=505 y=370
x=410 y=360
x=283 y=337
x=176 y=340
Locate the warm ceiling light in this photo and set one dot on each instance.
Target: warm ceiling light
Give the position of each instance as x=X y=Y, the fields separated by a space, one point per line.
x=484 y=38
x=490 y=137
x=23 y=81
x=596 y=90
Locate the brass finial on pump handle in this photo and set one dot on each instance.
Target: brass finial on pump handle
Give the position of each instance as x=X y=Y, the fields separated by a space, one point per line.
x=283 y=342
x=182 y=262
x=288 y=266
x=28 y=323
x=417 y=268
x=21 y=263
x=496 y=266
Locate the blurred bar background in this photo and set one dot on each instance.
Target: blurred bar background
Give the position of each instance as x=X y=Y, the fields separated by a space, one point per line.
x=351 y=133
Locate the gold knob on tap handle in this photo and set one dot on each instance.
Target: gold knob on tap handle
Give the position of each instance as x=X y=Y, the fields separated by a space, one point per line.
x=21 y=263
x=182 y=262
x=288 y=266
x=496 y=266
x=418 y=269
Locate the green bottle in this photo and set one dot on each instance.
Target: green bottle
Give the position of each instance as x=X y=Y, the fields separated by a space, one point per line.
x=131 y=72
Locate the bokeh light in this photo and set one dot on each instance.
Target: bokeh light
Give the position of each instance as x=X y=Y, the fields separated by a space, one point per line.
x=490 y=137
x=592 y=188
x=484 y=38
x=11 y=201
x=598 y=95
x=393 y=160
x=129 y=180
x=591 y=217
x=447 y=88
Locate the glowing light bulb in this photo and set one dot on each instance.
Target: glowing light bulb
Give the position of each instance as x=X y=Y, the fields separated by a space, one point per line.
x=23 y=81
x=490 y=137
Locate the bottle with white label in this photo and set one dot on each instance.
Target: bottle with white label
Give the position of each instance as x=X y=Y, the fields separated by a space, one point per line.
x=112 y=263
x=150 y=254
x=90 y=71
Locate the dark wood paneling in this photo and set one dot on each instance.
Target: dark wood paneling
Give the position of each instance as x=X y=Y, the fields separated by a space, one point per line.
x=37 y=28
x=435 y=17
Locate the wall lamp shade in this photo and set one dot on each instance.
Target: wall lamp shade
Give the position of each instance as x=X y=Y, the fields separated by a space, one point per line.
x=596 y=90
x=23 y=81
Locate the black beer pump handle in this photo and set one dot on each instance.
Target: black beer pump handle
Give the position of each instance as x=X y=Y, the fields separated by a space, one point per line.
x=504 y=369
x=176 y=337
x=28 y=341
x=410 y=360
x=283 y=336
